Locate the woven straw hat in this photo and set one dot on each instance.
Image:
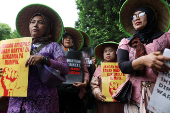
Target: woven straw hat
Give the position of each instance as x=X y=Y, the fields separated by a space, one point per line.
x=78 y=37
x=160 y=8
x=86 y=37
x=25 y=14
x=98 y=50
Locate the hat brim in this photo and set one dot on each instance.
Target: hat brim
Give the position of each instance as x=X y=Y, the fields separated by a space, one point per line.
x=25 y=14
x=98 y=50
x=78 y=37
x=87 y=40
x=160 y=6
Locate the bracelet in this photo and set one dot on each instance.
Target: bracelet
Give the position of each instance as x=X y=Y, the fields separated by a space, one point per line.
x=45 y=60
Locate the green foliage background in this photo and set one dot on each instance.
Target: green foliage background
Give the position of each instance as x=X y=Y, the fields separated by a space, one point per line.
x=6 y=33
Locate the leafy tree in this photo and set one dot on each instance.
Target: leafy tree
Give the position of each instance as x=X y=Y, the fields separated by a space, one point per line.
x=5 y=31
x=100 y=20
x=14 y=34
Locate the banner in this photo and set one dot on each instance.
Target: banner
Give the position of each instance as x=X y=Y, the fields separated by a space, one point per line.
x=88 y=53
x=13 y=55
x=112 y=78
x=75 y=61
x=160 y=99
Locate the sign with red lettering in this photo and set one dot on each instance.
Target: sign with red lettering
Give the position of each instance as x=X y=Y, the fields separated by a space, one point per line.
x=13 y=55
x=112 y=77
x=75 y=61
x=160 y=99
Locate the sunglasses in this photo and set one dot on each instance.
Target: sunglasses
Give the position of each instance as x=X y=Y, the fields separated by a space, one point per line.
x=139 y=16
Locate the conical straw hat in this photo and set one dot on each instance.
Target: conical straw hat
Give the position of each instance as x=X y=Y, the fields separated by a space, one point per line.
x=160 y=8
x=87 y=40
x=25 y=14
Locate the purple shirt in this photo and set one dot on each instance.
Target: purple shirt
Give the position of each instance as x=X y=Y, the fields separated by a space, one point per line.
x=40 y=98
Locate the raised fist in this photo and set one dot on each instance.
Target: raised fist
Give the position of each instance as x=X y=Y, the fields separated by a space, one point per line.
x=9 y=81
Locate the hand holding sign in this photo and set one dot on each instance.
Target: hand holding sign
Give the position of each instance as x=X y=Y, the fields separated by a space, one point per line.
x=80 y=84
x=33 y=60
x=9 y=80
x=100 y=96
x=154 y=61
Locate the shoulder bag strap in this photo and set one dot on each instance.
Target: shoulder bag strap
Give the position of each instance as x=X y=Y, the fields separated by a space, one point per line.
x=36 y=50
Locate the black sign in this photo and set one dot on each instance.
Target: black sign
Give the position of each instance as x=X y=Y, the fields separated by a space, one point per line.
x=88 y=53
x=75 y=61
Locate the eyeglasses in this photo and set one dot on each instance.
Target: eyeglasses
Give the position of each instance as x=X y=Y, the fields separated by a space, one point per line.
x=139 y=15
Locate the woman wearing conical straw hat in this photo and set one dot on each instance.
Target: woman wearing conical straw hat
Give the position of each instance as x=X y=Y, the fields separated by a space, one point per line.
x=106 y=52
x=45 y=26
x=72 y=101
x=72 y=39
x=140 y=56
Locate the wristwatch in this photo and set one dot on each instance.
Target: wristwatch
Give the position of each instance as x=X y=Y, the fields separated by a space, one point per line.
x=45 y=60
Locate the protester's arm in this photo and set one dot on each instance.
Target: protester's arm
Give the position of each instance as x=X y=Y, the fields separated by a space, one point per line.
x=95 y=85
x=94 y=62
x=123 y=60
x=86 y=75
x=59 y=60
x=153 y=60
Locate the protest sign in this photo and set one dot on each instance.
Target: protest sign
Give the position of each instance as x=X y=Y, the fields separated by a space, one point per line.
x=13 y=55
x=112 y=78
x=75 y=61
x=160 y=99
x=88 y=53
